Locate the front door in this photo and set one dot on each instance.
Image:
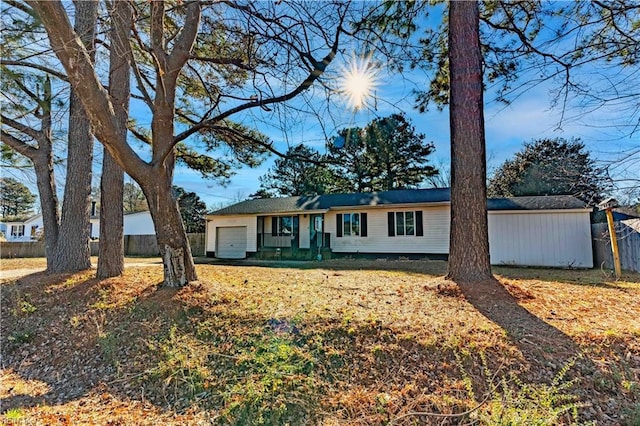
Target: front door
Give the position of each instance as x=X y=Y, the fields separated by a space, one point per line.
x=316 y=230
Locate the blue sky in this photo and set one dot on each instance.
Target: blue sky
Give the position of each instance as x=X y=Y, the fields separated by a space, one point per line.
x=529 y=116
x=507 y=127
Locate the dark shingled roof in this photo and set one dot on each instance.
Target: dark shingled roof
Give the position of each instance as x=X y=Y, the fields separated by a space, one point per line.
x=544 y=202
x=402 y=196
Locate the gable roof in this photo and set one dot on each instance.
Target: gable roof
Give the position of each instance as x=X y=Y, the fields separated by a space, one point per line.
x=23 y=220
x=384 y=198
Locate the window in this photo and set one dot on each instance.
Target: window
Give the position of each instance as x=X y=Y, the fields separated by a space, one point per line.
x=284 y=226
x=17 y=230
x=405 y=223
x=351 y=225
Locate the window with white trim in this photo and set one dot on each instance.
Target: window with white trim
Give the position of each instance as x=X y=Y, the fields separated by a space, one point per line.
x=405 y=223
x=351 y=225
x=17 y=230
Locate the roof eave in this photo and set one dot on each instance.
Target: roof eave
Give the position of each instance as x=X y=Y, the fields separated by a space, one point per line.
x=548 y=210
x=392 y=205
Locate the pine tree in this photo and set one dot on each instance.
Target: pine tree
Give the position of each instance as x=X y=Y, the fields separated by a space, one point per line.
x=550 y=167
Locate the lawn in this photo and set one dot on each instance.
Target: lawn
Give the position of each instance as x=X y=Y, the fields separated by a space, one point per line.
x=339 y=342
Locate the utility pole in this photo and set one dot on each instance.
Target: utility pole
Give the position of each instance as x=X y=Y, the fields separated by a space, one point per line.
x=608 y=205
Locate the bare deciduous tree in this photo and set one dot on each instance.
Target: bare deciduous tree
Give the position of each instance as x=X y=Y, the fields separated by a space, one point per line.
x=238 y=57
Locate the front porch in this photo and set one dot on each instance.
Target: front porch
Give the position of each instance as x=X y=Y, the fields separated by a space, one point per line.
x=289 y=236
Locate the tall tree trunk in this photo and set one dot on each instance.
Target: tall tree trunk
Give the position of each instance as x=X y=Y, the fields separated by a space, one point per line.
x=73 y=252
x=469 y=238
x=173 y=243
x=111 y=248
x=155 y=177
x=45 y=178
x=42 y=159
x=111 y=255
x=43 y=165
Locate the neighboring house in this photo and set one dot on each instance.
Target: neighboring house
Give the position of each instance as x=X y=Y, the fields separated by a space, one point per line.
x=139 y=223
x=32 y=229
x=27 y=230
x=531 y=231
x=624 y=213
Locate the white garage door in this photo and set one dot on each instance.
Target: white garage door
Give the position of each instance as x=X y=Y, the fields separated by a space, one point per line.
x=232 y=242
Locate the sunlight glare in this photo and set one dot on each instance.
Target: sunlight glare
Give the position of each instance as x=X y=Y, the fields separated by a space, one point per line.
x=358 y=82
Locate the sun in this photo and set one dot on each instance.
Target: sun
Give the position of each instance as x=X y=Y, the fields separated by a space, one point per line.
x=357 y=82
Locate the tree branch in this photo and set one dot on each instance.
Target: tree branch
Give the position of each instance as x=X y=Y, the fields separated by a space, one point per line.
x=181 y=51
x=318 y=70
x=38 y=67
x=17 y=145
x=157 y=36
x=32 y=133
x=223 y=61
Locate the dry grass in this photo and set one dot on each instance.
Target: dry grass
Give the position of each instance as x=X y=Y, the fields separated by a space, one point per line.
x=41 y=262
x=337 y=342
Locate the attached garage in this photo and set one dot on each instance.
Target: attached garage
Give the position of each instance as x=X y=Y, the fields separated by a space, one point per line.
x=541 y=238
x=231 y=242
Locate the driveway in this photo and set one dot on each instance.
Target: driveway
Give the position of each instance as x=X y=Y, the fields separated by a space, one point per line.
x=17 y=273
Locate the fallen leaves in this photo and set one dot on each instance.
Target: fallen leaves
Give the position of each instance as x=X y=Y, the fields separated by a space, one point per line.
x=348 y=342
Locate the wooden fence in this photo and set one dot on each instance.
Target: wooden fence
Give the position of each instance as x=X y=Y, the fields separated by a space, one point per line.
x=628 y=236
x=134 y=245
x=146 y=245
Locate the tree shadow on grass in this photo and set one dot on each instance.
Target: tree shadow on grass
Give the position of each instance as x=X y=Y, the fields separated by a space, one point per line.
x=541 y=344
x=579 y=277
x=77 y=364
x=422 y=266
x=58 y=338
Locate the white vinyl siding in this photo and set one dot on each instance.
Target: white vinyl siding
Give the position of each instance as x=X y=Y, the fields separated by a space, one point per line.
x=231 y=242
x=434 y=241
x=560 y=239
x=247 y=221
x=95 y=228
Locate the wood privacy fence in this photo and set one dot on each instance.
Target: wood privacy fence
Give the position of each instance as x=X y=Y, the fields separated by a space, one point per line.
x=134 y=245
x=628 y=236
x=146 y=245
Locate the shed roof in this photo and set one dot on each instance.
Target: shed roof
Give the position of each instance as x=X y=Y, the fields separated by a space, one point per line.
x=388 y=198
